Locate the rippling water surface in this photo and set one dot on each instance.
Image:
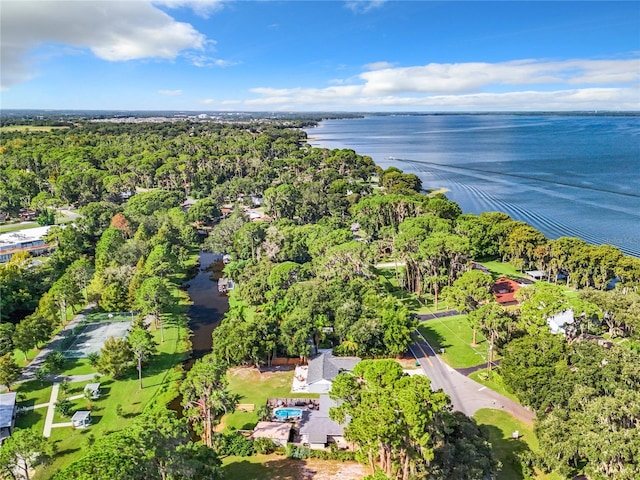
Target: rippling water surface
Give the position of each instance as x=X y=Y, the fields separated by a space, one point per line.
x=565 y=175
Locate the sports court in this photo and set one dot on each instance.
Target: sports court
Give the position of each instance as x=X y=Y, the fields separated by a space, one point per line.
x=91 y=334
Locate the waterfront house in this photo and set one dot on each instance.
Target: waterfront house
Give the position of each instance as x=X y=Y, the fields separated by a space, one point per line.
x=277 y=432
x=324 y=367
x=504 y=290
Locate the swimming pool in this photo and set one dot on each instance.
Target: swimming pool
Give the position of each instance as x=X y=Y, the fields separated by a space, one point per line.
x=286 y=413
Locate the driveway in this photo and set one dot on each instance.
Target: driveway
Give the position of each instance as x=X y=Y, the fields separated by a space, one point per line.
x=466 y=395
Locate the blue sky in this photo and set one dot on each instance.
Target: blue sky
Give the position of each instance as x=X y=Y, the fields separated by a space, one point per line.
x=376 y=55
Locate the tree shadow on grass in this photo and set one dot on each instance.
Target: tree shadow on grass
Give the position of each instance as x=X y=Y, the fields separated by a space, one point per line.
x=510 y=452
x=434 y=338
x=273 y=468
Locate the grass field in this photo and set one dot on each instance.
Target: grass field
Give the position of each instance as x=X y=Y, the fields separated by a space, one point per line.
x=159 y=382
x=500 y=269
x=455 y=336
x=255 y=387
x=500 y=426
x=276 y=467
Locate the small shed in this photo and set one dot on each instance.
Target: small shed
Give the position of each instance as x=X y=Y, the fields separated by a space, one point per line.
x=94 y=388
x=7 y=414
x=278 y=432
x=81 y=419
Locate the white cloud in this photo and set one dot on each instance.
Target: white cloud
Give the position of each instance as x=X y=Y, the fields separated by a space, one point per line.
x=112 y=30
x=202 y=8
x=171 y=93
x=364 y=6
x=207 y=61
x=378 y=66
x=522 y=84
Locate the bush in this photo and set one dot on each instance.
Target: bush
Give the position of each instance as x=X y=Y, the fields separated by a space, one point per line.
x=55 y=361
x=299 y=453
x=264 y=446
x=64 y=407
x=94 y=358
x=233 y=444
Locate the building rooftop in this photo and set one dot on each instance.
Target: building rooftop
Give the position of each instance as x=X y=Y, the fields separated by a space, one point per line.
x=272 y=430
x=503 y=289
x=7 y=405
x=325 y=366
x=317 y=424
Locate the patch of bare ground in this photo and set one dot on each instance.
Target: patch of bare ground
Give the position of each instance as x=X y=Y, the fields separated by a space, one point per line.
x=316 y=469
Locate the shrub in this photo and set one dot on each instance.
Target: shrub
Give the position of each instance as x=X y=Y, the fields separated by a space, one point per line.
x=94 y=358
x=64 y=407
x=233 y=444
x=264 y=446
x=299 y=453
x=55 y=361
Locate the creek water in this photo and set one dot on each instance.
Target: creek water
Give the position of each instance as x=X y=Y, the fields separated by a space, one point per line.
x=206 y=311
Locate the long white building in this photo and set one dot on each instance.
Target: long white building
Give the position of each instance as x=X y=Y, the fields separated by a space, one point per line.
x=29 y=240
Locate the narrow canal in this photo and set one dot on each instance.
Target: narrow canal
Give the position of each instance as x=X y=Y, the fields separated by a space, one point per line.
x=206 y=311
x=209 y=306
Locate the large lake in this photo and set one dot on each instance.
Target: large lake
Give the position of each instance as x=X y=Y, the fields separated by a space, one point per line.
x=565 y=175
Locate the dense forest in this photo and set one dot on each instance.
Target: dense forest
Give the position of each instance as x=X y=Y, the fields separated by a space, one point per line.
x=306 y=279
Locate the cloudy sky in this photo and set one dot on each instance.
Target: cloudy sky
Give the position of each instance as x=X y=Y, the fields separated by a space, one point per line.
x=327 y=55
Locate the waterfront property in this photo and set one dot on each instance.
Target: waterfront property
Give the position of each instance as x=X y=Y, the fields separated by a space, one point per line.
x=504 y=289
x=278 y=432
x=7 y=414
x=317 y=430
x=324 y=367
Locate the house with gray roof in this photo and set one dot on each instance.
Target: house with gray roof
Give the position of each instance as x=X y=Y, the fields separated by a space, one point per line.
x=324 y=367
x=7 y=414
x=317 y=430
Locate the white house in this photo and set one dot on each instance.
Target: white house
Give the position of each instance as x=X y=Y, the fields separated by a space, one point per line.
x=560 y=321
x=317 y=430
x=278 y=432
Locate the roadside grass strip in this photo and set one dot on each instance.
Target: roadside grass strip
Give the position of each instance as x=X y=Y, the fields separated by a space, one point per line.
x=454 y=335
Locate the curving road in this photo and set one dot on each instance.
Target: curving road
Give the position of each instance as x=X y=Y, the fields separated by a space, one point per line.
x=466 y=395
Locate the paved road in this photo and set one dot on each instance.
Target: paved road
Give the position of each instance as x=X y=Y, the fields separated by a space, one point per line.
x=466 y=395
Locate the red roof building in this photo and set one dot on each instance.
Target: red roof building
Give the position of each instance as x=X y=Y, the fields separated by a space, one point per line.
x=504 y=289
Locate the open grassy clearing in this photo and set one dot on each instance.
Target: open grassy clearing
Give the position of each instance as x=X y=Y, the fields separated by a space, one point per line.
x=493 y=381
x=500 y=269
x=255 y=387
x=500 y=426
x=455 y=336
x=276 y=467
x=159 y=381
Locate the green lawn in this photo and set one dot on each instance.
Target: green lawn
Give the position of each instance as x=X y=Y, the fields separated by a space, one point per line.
x=255 y=388
x=31 y=128
x=500 y=426
x=159 y=382
x=500 y=269
x=32 y=393
x=455 y=336
x=277 y=467
x=494 y=382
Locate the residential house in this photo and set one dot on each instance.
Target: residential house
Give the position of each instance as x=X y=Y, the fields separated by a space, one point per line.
x=317 y=430
x=278 y=432
x=504 y=289
x=324 y=367
x=561 y=322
